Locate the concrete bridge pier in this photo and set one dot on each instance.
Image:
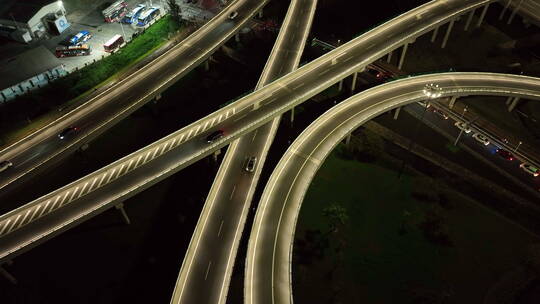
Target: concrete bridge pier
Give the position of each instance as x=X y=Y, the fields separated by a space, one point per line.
x=504 y=9
x=216 y=154
x=237 y=37
x=8 y=275
x=389 y=57
x=261 y=13
x=403 y=53
x=434 y=35
x=120 y=207
x=482 y=15
x=452 y=102
x=469 y=19
x=396 y=113
x=512 y=103
x=514 y=12
x=448 y=31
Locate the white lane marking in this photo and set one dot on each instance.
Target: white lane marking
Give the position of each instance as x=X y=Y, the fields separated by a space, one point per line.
x=220 y=227
x=102 y=178
x=120 y=171
x=110 y=176
x=44 y=208
x=4 y=228
x=55 y=201
x=27 y=213
x=129 y=165
x=164 y=148
x=73 y=194
x=324 y=72
x=146 y=157
x=296 y=87
x=348 y=58
x=232 y=192
x=33 y=214
x=82 y=190
x=207 y=270
x=155 y=152
x=138 y=159
x=62 y=201
x=14 y=222
x=172 y=145
x=92 y=185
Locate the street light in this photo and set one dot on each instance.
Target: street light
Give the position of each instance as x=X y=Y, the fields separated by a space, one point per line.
x=463 y=114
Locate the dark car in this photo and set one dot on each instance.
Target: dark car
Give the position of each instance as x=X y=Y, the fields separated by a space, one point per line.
x=250 y=164
x=215 y=136
x=439 y=113
x=68 y=132
x=4 y=165
x=380 y=75
x=505 y=154
x=233 y=15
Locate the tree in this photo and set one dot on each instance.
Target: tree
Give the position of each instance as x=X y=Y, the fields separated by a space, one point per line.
x=175 y=11
x=337 y=216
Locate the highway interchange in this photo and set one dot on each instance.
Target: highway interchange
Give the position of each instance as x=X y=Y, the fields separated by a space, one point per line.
x=105 y=188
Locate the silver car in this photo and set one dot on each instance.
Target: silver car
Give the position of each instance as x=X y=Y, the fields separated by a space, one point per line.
x=4 y=165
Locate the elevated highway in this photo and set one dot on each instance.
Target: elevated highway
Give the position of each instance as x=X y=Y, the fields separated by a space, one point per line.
x=95 y=116
x=208 y=263
x=43 y=218
x=269 y=257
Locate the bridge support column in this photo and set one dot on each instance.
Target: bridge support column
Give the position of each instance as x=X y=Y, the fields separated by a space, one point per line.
x=216 y=154
x=120 y=207
x=353 y=85
x=261 y=13
x=158 y=97
x=469 y=19
x=513 y=104
x=514 y=12
x=340 y=85
x=8 y=275
x=452 y=102
x=448 y=30
x=482 y=15
x=237 y=37
x=389 y=57
x=396 y=113
x=434 y=35
x=207 y=65
x=348 y=140
x=292 y=115
x=504 y=9
x=402 y=58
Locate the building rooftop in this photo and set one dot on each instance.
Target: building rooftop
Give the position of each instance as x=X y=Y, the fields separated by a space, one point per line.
x=21 y=10
x=26 y=66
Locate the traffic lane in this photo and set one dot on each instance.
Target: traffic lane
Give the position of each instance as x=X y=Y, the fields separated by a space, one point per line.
x=158 y=69
x=358 y=49
x=487 y=152
x=233 y=196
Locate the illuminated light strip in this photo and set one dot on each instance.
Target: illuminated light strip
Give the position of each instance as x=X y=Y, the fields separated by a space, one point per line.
x=219 y=118
x=72 y=195
x=25 y=216
x=92 y=185
x=173 y=142
x=205 y=125
x=181 y=137
x=197 y=130
x=82 y=190
x=146 y=157
x=189 y=134
x=34 y=214
x=164 y=148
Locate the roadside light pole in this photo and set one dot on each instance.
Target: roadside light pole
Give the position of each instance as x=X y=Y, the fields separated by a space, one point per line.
x=467 y=124
x=517 y=147
x=463 y=114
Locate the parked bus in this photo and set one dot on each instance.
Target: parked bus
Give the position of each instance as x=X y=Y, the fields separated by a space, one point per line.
x=113 y=43
x=115 y=11
x=148 y=16
x=74 y=50
x=134 y=14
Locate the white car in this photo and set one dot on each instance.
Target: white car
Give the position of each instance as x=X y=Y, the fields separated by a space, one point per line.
x=481 y=139
x=463 y=126
x=532 y=170
x=4 y=165
x=233 y=15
